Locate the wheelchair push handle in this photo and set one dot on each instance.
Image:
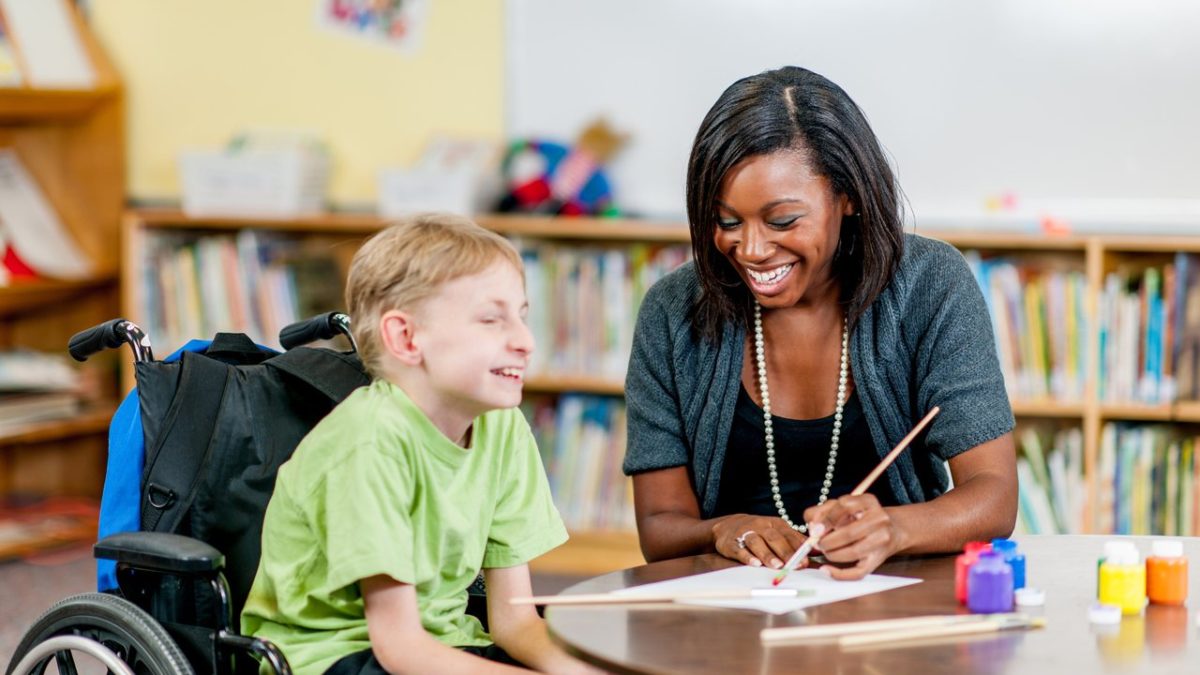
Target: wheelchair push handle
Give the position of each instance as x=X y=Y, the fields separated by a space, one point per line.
x=321 y=327
x=110 y=335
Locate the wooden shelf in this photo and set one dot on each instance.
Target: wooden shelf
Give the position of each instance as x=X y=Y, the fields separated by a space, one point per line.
x=596 y=229
x=545 y=227
x=1187 y=411
x=1150 y=244
x=335 y=223
x=24 y=104
x=591 y=553
x=1047 y=408
x=1179 y=411
x=72 y=143
x=585 y=384
x=1017 y=241
x=93 y=420
x=45 y=293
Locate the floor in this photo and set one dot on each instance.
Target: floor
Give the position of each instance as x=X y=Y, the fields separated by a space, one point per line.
x=30 y=587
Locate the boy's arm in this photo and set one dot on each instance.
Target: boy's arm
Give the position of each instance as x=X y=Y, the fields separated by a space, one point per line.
x=400 y=642
x=518 y=630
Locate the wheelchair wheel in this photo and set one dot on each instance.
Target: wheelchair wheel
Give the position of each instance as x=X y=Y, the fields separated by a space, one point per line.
x=101 y=627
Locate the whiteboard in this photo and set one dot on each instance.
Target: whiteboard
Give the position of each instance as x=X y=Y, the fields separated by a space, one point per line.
x=1084 y=108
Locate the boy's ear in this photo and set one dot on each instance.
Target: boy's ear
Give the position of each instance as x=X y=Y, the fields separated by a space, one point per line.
x=396 y=332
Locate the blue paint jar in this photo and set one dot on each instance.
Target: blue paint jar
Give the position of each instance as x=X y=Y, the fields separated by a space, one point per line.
x=990 y=586
x=1015 y=559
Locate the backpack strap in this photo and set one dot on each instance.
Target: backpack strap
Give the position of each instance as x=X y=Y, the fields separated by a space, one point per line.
x=173 y=465
x=332 y=373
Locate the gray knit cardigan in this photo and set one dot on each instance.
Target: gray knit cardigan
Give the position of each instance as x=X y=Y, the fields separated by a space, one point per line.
x=925 y=341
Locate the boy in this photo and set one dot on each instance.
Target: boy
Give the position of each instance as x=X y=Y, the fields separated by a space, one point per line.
x=391 y=505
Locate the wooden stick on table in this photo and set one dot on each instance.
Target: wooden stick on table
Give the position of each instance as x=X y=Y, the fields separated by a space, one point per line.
x=634 y=598
x=833 y=630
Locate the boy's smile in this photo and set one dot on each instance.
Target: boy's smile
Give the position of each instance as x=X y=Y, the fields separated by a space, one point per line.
x=474 y=347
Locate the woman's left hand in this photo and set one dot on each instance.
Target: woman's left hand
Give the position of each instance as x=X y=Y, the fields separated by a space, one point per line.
x=857 y=530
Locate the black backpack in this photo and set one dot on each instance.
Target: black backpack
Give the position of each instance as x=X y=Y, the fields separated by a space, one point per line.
x=217 y=426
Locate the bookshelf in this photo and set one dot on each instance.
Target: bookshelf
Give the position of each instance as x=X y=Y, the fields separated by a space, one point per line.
x=590 y=551
x=595 y=550
x=72 y=142
x=1120 y=262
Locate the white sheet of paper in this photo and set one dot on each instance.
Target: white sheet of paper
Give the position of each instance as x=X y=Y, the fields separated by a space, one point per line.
x=825 y=590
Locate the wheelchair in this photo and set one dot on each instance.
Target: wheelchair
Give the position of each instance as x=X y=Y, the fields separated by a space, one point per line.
x=212 y=427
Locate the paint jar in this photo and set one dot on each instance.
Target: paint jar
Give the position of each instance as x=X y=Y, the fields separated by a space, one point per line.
x=962 y=565
x=990 y=584
x=1016 y=559
x=1123 y=580
x=1167 y=573
x=1109 y=547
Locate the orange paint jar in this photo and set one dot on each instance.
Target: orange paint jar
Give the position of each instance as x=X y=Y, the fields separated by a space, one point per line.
x=1167 y=573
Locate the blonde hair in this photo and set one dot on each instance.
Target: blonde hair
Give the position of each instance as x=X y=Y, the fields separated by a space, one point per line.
x=406 y=263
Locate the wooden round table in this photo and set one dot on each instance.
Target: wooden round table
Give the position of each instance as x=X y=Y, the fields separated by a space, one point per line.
x=689 y=639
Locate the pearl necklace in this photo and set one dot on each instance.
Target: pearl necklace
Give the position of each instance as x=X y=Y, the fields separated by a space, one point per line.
x=768 y=432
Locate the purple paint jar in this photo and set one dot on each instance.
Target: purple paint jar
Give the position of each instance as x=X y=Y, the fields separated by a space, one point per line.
x=990 y=587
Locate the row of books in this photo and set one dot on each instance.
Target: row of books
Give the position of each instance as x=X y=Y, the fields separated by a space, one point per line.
x=1148 y=481
x=1149 y=331
x=1040 y=321
x=583 y=302
x=250 y=282
x=1052 y=493
x=582 y=440
x=37 y=387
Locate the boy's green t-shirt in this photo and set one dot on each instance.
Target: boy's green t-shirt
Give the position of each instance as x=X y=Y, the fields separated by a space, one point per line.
x=376 y=488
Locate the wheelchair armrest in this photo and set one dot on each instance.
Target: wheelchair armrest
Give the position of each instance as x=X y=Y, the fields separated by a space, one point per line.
x=160 y=552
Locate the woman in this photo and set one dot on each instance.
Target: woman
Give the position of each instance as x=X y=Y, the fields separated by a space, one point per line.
x=769 y=376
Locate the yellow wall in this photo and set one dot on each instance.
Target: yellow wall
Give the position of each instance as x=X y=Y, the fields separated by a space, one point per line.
x=197 y=72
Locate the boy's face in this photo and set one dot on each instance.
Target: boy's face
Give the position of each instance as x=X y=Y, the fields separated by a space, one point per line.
x=474 y=342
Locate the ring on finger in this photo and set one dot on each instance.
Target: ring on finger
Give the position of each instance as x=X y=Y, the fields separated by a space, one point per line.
x=741 y=539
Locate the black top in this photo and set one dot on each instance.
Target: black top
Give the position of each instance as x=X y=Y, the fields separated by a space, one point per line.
x=801 y=456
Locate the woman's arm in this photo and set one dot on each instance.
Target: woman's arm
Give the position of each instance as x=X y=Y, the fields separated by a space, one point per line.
x=400 y=642
x=669 y=525
x=982 y=505
x=518 y=630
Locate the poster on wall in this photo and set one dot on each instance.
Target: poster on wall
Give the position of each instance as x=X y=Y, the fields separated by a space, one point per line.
x=393 y=23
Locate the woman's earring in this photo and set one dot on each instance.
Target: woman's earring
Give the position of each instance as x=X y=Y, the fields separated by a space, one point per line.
x=847 y=233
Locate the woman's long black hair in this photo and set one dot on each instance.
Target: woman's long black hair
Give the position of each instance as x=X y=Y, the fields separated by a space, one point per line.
x=794 y=108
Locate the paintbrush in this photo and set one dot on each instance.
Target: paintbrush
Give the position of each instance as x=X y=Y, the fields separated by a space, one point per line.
x=989 y=625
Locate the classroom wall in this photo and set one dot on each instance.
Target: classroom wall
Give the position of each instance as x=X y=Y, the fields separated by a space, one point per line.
x=196 y=73
x=1080 y=109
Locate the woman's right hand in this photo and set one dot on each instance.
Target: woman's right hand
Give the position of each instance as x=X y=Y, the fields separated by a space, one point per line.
x=768 y=541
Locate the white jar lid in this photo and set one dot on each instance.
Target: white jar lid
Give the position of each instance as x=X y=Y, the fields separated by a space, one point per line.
x=1167 y=548
x=1104 y=614
x=1030 y=597
x=1125 y=555
x=1115 y=546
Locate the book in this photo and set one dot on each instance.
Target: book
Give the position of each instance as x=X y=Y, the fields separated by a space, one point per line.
x=51 y=48
x=20 y=409
x=32 y=227
x=10 y=68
